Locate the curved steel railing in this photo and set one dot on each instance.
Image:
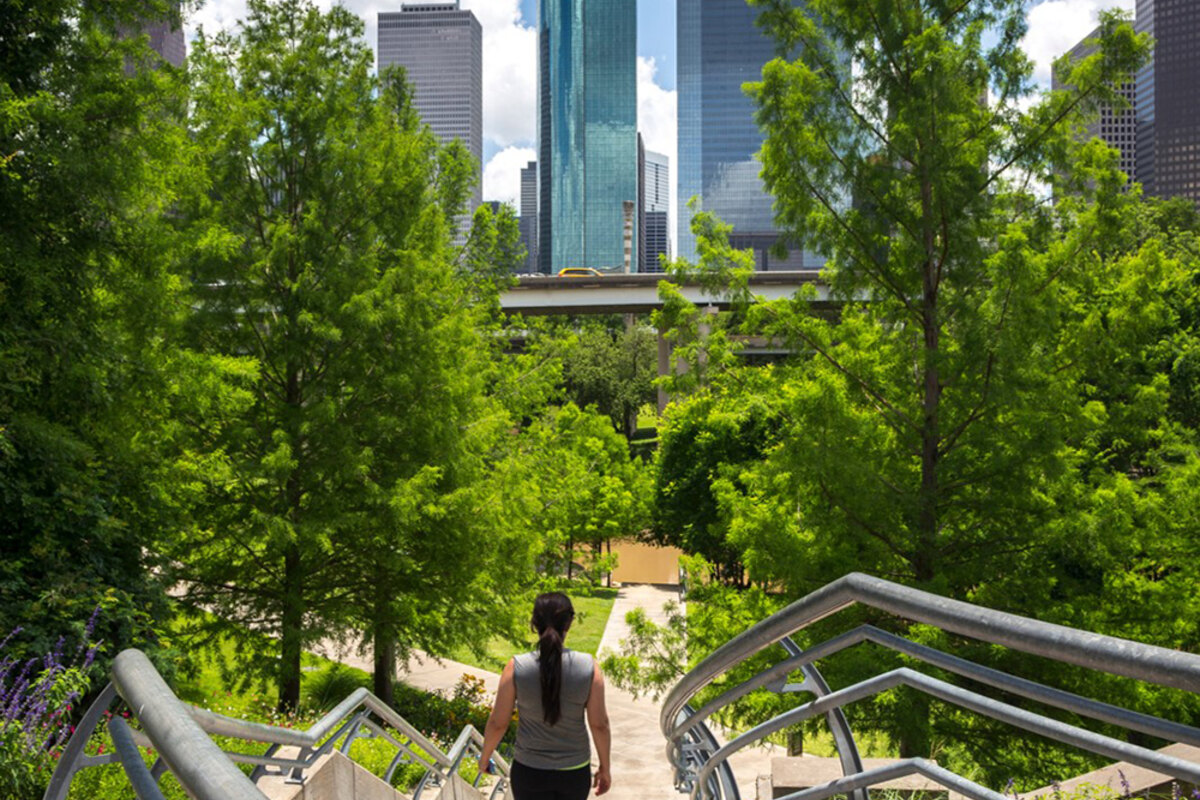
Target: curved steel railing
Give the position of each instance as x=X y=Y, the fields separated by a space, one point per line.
x=1094 y=651
x=182 y=737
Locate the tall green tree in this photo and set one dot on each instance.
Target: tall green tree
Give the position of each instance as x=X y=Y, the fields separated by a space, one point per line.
x=705 y=443
x=612 y=364
x=91 y=157
x=584 y=489
x=342 y=500
x=933 y=431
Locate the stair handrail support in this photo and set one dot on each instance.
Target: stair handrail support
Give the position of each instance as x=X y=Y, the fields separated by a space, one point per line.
x=181 y=735
x=1090 y=650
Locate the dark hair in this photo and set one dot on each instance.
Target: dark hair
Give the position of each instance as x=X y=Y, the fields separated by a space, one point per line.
x=552 y=616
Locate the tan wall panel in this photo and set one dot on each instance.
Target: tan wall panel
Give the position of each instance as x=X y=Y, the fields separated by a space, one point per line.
x=646 y=563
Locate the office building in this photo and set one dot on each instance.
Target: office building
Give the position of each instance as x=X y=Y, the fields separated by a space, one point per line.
x=1168 y=112
x=1144 y=103
x=654 y=201
x=587 y=134
x=529 y=216
x=1116 y=127
x=440 y=46
x=166 y=35
x=1159 y=138
x=719 y=49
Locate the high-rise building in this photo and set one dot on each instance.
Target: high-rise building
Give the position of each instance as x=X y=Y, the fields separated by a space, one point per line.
x=654 y=202
x=1169 y=113
x=587 y=133
x=440 y=46
x=1144 y=103
x=529 y=216
x=166 y=35
x=719 y=49
x=1116 y=127
x=1159 y=138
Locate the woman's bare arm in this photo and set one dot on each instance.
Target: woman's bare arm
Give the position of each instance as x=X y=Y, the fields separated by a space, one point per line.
x=597 y=717
x=501 y=716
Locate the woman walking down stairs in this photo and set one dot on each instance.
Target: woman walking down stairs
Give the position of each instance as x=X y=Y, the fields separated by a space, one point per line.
x=640 y=769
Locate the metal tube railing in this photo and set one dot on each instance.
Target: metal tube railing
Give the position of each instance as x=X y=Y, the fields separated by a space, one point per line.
x=143 y=783
x=1095 y=709
x=182 y=736
x=1092 y=650
x=203 y=770
x=1095 y=651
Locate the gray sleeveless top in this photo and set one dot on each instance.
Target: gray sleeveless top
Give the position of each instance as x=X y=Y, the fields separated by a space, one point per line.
x=565 y=744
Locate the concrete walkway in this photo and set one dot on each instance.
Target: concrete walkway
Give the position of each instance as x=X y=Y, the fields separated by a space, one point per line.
x=640 y=768
x=639 y=765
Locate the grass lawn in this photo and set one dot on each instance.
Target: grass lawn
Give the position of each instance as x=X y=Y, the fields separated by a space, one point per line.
x=213 y=684
x=591 y=616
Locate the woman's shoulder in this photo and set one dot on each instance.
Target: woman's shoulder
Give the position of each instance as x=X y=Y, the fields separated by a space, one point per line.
x=581 y=659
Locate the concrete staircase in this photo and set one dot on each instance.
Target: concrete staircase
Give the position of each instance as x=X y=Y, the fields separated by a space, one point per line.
x=336 y=777
x=793 y=773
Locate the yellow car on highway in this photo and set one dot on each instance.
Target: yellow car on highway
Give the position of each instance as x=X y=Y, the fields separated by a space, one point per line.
x=579 y=272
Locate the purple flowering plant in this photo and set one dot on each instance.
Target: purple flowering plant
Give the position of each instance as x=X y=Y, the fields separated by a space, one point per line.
x=37 y=701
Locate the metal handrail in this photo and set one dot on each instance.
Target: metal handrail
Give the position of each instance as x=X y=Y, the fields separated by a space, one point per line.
x=181 y=734
x=1095 y=651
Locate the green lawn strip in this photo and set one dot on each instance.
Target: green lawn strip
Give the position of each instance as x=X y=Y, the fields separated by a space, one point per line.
x=591 y=617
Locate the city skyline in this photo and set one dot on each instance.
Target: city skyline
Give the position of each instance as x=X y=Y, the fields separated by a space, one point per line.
x=510 y=69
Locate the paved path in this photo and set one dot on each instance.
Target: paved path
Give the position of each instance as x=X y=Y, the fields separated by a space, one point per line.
x=640 y=768
x=639 y=765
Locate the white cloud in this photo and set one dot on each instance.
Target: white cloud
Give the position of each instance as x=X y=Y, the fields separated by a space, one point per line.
x=509 y=56
x=657 y=123
x=1055 y=26
x=215 y=15
x=509 y=72
x=502 y=175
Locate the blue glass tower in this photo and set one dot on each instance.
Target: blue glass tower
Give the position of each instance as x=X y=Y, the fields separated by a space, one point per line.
x=587 y=132
x=719 y=49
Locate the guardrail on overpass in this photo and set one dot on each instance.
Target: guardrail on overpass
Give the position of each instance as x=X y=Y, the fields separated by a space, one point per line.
x=638 y=293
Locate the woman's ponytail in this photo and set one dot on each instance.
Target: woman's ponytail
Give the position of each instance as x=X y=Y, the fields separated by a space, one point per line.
x=552 y=617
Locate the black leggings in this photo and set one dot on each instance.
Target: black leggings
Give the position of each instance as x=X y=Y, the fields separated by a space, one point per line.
x=550 y=784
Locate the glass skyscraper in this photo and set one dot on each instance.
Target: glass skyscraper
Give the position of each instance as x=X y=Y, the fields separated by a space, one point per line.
x=1144 y=103
x=719 y=49
x=529 y=216
x=654 y=202
x=587 y=132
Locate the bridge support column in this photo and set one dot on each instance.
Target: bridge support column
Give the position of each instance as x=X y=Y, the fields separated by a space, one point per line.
x=664 y=368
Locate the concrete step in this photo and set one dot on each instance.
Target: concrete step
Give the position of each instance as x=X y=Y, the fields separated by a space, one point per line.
x=458 y=789
x=333 y=777
x=793 y=773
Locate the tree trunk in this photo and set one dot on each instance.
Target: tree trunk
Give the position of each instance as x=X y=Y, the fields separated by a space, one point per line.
x=608 y=544
x=385 y=663
x=925 y=552
x=291 y=644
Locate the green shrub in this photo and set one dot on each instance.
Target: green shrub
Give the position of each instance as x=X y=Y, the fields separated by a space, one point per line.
x=326 y=688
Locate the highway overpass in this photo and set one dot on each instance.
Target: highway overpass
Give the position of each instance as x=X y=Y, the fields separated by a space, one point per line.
x=637 y=293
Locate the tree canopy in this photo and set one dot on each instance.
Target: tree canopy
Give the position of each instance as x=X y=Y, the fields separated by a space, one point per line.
x=348 y=495
x=995 y=412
